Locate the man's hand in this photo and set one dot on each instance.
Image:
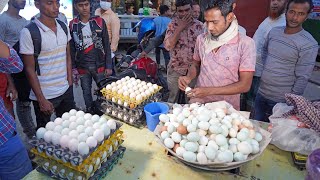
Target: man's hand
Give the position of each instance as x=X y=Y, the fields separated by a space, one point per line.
x=108 y=72
x=199 y=92
x=11 y=90
x=46 y=107
x=185 y=21
x=183 y=82
x=75 y=77
x=143 y=54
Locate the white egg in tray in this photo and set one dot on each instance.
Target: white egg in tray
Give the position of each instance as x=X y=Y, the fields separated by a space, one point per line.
x=74 y=136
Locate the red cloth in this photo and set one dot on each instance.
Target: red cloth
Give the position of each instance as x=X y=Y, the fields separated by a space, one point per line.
x=3 y=88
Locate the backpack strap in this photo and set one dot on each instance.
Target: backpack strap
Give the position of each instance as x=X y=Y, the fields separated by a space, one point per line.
x=64 y=27
x=36 y=39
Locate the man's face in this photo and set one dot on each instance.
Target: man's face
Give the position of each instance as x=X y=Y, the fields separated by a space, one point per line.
x=49 y=8
x=277 y=8
x=182 y=11
x=83 y=8
x=18 y=4
x=131 y=9
x=196 y=11
x=296 y=14
x=216 y=22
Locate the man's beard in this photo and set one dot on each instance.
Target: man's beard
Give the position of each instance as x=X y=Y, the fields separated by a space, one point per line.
x=276 y=14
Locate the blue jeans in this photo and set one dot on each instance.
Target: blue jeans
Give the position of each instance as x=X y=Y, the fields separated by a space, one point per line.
x=263 y=108
x=14 y=159
x=86 y=85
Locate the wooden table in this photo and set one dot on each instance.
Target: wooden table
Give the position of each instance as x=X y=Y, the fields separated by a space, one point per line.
x=146 y=159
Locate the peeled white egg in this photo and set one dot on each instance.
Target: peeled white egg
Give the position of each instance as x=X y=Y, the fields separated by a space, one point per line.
x=105 y=129
x=180 y=151
x=183 y=142
x=213 y=145
x=188 y=89
x=73 y=118
x=186 y=122
x=80 y=114
x=202 y=158
x=245 y=130
x=73 y=145
x=87 y=116
x=194 y=122
x=245 y=148
x=201 y=148
x=204 y=125
x=92 y=142
x=191 y=128
x=50 y=126
x=176 y=111
x=80 y=121
x=203 y=140
x=233 y=148
x=203 y=117
x=112 y=124
x=234 y=141
x=89 y=131
x=58 y=121
x=164 y=135
x=82 y=137
x=186 y=112
x=98 y=135
x=65 y=116
x=48 y=136
x=72 y=112
x=258 y=137
x=83 y=148
x=193 y=137
x=210 y=153
x=215 y=129
x=64 y=141
x=242 y=136
x=40 y=133
x=225 y=156
x=164 y=118
x=232 y=133
x=58 y=129
x=180 y=118
x=176 y=137
x=221 y=140
x=255 y=149
x=238 y=156
x=56 y=138
x=168 y=142
x=201 y=132
x=189 y=156
x=171 y=128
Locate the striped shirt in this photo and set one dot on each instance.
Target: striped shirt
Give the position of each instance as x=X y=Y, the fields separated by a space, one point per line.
x=222 y=68
x=52 y=59
x=7 y=124
x=288 y=61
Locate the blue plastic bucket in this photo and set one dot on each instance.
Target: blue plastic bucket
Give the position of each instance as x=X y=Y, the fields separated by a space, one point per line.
x=153 y=111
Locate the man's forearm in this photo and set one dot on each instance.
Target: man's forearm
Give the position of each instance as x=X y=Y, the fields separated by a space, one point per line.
x=34 y=83
x=194 y=70
x=172 y=40
x=232 y=89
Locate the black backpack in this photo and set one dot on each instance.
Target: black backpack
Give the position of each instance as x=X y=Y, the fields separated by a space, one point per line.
x=19 y=78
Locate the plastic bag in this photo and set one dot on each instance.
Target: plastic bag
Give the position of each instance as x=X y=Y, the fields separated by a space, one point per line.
x=289 y=135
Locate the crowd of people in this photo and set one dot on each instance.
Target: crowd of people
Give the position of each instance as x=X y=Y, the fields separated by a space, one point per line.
x=215 y=58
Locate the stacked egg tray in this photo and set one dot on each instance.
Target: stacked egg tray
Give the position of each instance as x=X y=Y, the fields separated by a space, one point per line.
x=126 y=101
x=132 y=116
x=61 y=173
x=73 y=161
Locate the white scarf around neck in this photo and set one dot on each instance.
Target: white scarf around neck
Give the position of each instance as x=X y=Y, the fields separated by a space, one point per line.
x=211 y=44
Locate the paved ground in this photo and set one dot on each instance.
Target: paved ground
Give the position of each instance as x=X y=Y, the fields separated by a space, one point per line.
x=312 y=92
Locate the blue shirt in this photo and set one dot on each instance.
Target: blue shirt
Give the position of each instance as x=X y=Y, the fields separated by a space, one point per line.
x=7 y=124
x=161 y=25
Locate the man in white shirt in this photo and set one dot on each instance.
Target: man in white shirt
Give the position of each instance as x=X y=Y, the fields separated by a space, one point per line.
x=276 y=18
x=52 y=83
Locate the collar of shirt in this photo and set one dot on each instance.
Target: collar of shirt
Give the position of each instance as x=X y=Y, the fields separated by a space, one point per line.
x=42 y=26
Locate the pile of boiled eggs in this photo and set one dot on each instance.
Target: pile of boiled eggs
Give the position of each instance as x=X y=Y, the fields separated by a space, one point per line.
x=131 y=88
x=77 y=131
x=198 y=134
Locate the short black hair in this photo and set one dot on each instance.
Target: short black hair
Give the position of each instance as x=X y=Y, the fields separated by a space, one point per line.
x=195 y=3
x=128 y=6
x=163 y=9
x=183 y=2
x=78 y=1
x=301 y=2
x=225 y=6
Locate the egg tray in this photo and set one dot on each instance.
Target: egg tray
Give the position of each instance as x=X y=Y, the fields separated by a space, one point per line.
x=74 y=158
x=134 y=117
x=88 y=167
x=132 y=103
x=103 y=170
